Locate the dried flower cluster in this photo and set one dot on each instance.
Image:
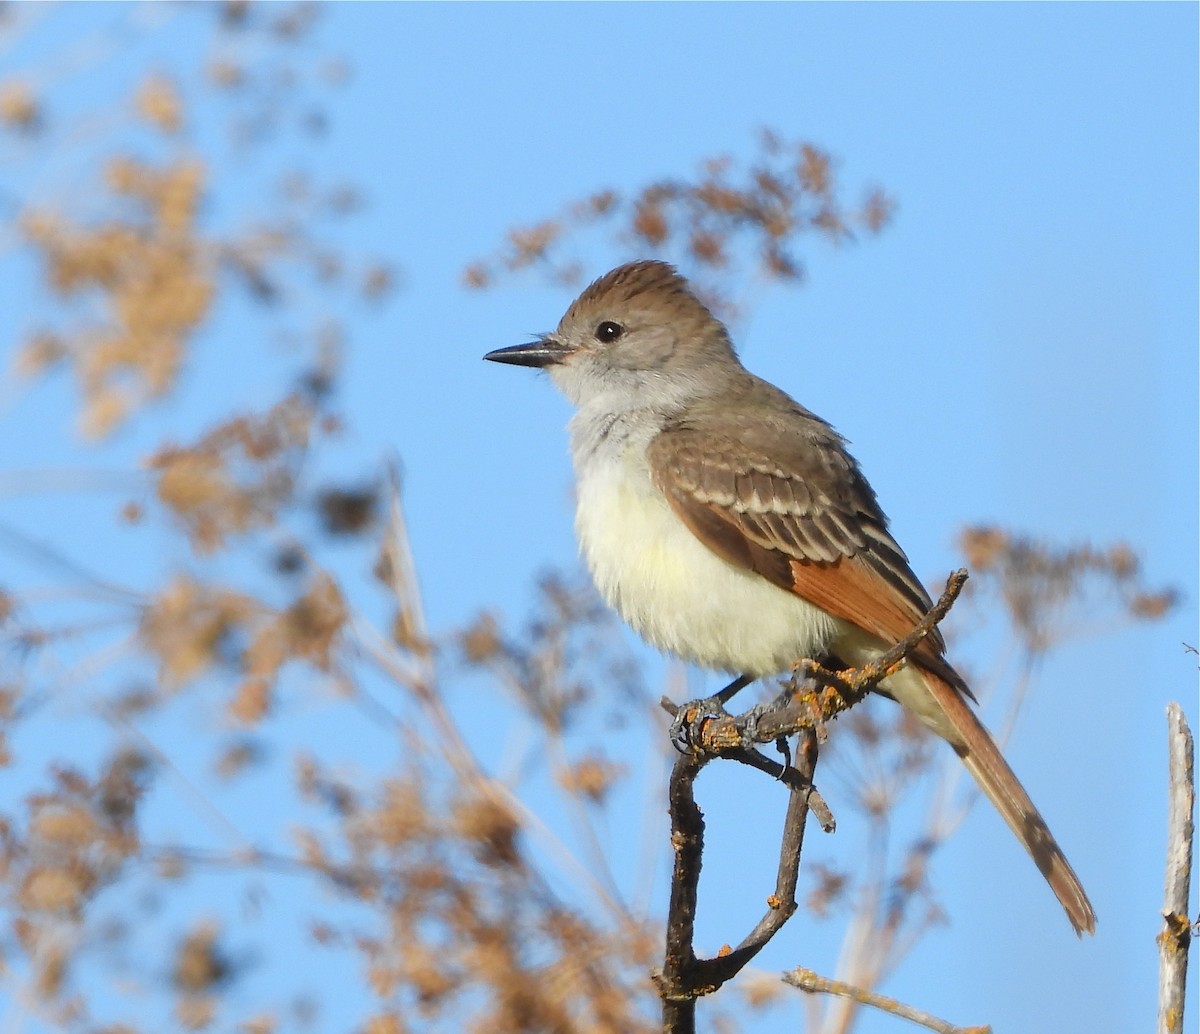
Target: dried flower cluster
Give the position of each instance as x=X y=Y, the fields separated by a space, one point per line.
x=326 y=779
x=1040 y=583
x=472 y=938
x=155 y=280
x=238 y=476
x=709 y=222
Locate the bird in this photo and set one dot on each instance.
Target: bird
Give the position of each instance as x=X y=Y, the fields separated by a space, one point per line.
x=731 y=527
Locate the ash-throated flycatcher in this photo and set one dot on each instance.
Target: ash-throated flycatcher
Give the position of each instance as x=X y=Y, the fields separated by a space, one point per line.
x=729 y=525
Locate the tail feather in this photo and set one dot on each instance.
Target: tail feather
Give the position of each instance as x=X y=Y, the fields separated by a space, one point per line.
x=984 y=761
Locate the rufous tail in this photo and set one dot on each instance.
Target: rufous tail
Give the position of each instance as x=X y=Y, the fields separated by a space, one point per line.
x=985 y=762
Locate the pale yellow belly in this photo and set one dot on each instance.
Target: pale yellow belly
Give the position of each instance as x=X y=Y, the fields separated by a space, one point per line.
x=679 y=595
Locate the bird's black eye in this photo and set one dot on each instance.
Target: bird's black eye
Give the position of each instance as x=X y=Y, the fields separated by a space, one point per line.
x=609 y=331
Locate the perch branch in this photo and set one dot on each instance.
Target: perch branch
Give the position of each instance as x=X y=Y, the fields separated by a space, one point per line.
x=812 y=695
x=684 y=977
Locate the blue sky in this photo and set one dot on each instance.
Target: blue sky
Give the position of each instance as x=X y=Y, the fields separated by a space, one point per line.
x=1019 y=347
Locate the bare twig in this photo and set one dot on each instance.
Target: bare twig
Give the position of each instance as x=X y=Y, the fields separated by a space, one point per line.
x=781 y=904
x=887 y=663
x=55 y=559
x=675 y=986
x=813 y=695
x=813 y=983
x=684 y=978
x=1176 y=934
x=792 y=778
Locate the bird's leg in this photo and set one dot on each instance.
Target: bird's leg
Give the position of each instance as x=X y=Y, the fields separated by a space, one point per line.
x=784 y=748
x=686 y=725
x=689 y=717
x=738 y=684
x=751 y=734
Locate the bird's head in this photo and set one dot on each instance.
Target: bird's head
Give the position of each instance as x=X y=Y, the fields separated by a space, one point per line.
x=637 y=336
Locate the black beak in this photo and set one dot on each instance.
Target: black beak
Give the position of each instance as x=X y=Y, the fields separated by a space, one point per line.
x=542 y=352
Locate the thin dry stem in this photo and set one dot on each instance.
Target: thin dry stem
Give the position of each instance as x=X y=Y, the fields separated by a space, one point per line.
x=684 y=977
x=1176 y=935
x=814 y=983
x=802 y=708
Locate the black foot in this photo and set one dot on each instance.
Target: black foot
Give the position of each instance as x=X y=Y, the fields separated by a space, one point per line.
x=685 y=727
x=690 y=717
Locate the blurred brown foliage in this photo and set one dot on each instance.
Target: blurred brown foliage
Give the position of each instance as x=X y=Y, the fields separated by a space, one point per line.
x=427 y=876
x=716 y=224
x=174 y=805
x=1040 y=585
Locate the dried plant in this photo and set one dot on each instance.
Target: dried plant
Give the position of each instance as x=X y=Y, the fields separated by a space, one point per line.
x=723 y=224
x=236 y=755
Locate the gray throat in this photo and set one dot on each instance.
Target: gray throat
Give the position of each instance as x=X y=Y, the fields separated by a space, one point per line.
x=596 y=434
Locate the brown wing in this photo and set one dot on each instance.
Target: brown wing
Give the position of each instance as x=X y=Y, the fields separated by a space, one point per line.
x=781 y=496
x=791 y=504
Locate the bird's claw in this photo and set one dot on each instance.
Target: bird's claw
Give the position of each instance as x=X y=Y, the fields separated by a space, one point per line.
x=687 y=727
x=689 y=721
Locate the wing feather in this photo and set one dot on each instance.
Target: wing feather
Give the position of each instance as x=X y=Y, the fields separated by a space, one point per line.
x=807 y=520
x=786 y=500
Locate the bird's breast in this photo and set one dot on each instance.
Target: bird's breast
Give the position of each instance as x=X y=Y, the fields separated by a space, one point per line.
x=673 y=590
